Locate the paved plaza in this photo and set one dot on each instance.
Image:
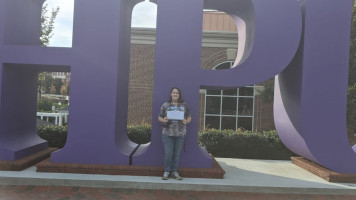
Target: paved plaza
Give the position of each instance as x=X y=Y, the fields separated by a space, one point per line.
x=244 y=179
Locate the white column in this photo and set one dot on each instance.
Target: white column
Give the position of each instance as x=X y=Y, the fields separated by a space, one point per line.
x=60 y=120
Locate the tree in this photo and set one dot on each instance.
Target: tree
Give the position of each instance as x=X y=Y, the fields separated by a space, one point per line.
x=64 y=90
x=267 y=94
x=53 y=90
x=41 y=77
x=44 y=105
x=57 y=83
x=351 y=94
x=47 y=24
x=68 y=87
x=46 y=81
x=352 y=60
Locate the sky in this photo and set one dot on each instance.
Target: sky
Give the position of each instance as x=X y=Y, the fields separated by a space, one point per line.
x=143 y=15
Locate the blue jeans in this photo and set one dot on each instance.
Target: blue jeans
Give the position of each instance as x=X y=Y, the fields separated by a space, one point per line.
x=172 y=148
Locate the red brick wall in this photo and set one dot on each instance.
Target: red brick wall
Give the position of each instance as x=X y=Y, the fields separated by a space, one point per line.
x=201 y=111
x=141 y=87
x=141 y=80
x=141 y=83
x=263 y=115
x=212 y=56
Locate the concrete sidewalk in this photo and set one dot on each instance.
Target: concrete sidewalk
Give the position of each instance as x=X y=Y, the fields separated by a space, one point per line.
x=242 y=175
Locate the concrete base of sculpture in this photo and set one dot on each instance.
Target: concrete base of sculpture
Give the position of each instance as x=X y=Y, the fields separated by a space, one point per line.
x=28 y=161
x=47 y=166
x=323 y=172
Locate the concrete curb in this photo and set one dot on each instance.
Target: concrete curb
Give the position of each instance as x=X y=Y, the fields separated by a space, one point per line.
x=242 y=175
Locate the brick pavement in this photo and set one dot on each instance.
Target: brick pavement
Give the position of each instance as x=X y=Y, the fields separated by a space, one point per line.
x=11 y=192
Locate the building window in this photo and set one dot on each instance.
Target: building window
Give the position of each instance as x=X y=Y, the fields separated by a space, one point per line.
x=231 y=108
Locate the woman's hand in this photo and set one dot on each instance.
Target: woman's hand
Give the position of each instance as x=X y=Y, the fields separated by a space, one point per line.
x=163 y=120
x=187 y=121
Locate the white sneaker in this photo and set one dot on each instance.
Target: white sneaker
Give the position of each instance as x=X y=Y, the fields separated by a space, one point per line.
x=165 y=176
x=176 y=176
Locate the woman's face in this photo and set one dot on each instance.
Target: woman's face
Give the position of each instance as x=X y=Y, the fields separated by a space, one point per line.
x=175 y=95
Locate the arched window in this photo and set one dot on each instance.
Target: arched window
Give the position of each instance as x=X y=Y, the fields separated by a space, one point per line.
x=224 y=65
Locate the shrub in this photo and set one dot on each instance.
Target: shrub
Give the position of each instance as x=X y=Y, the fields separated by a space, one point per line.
x=44 y=104
x=55 y=135
x=244 y=144
x=224 y=143
x=139 y=133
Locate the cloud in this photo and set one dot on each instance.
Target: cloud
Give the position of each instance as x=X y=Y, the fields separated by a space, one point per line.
x=63 y=27
x=144 y=15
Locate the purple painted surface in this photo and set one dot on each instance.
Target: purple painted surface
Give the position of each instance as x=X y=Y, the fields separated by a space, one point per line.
x=178 y=52
x=310 y=98
x=99 y=84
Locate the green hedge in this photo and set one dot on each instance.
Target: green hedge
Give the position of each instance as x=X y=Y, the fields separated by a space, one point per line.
x=225 y=143
x=244 y=144
x=139 y=133
x=44 y=105
x=55 y=135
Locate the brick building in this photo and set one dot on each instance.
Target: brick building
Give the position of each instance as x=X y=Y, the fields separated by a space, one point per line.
x=64 y=76
x=220 y=109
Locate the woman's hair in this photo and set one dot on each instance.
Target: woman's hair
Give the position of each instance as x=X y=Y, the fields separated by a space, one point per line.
x=180 y=99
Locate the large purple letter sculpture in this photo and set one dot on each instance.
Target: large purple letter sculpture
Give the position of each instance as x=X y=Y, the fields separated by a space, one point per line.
x=310 y=96
x=307 y=40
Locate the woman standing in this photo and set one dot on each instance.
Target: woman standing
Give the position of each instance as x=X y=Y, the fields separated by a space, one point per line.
x=173 y=131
